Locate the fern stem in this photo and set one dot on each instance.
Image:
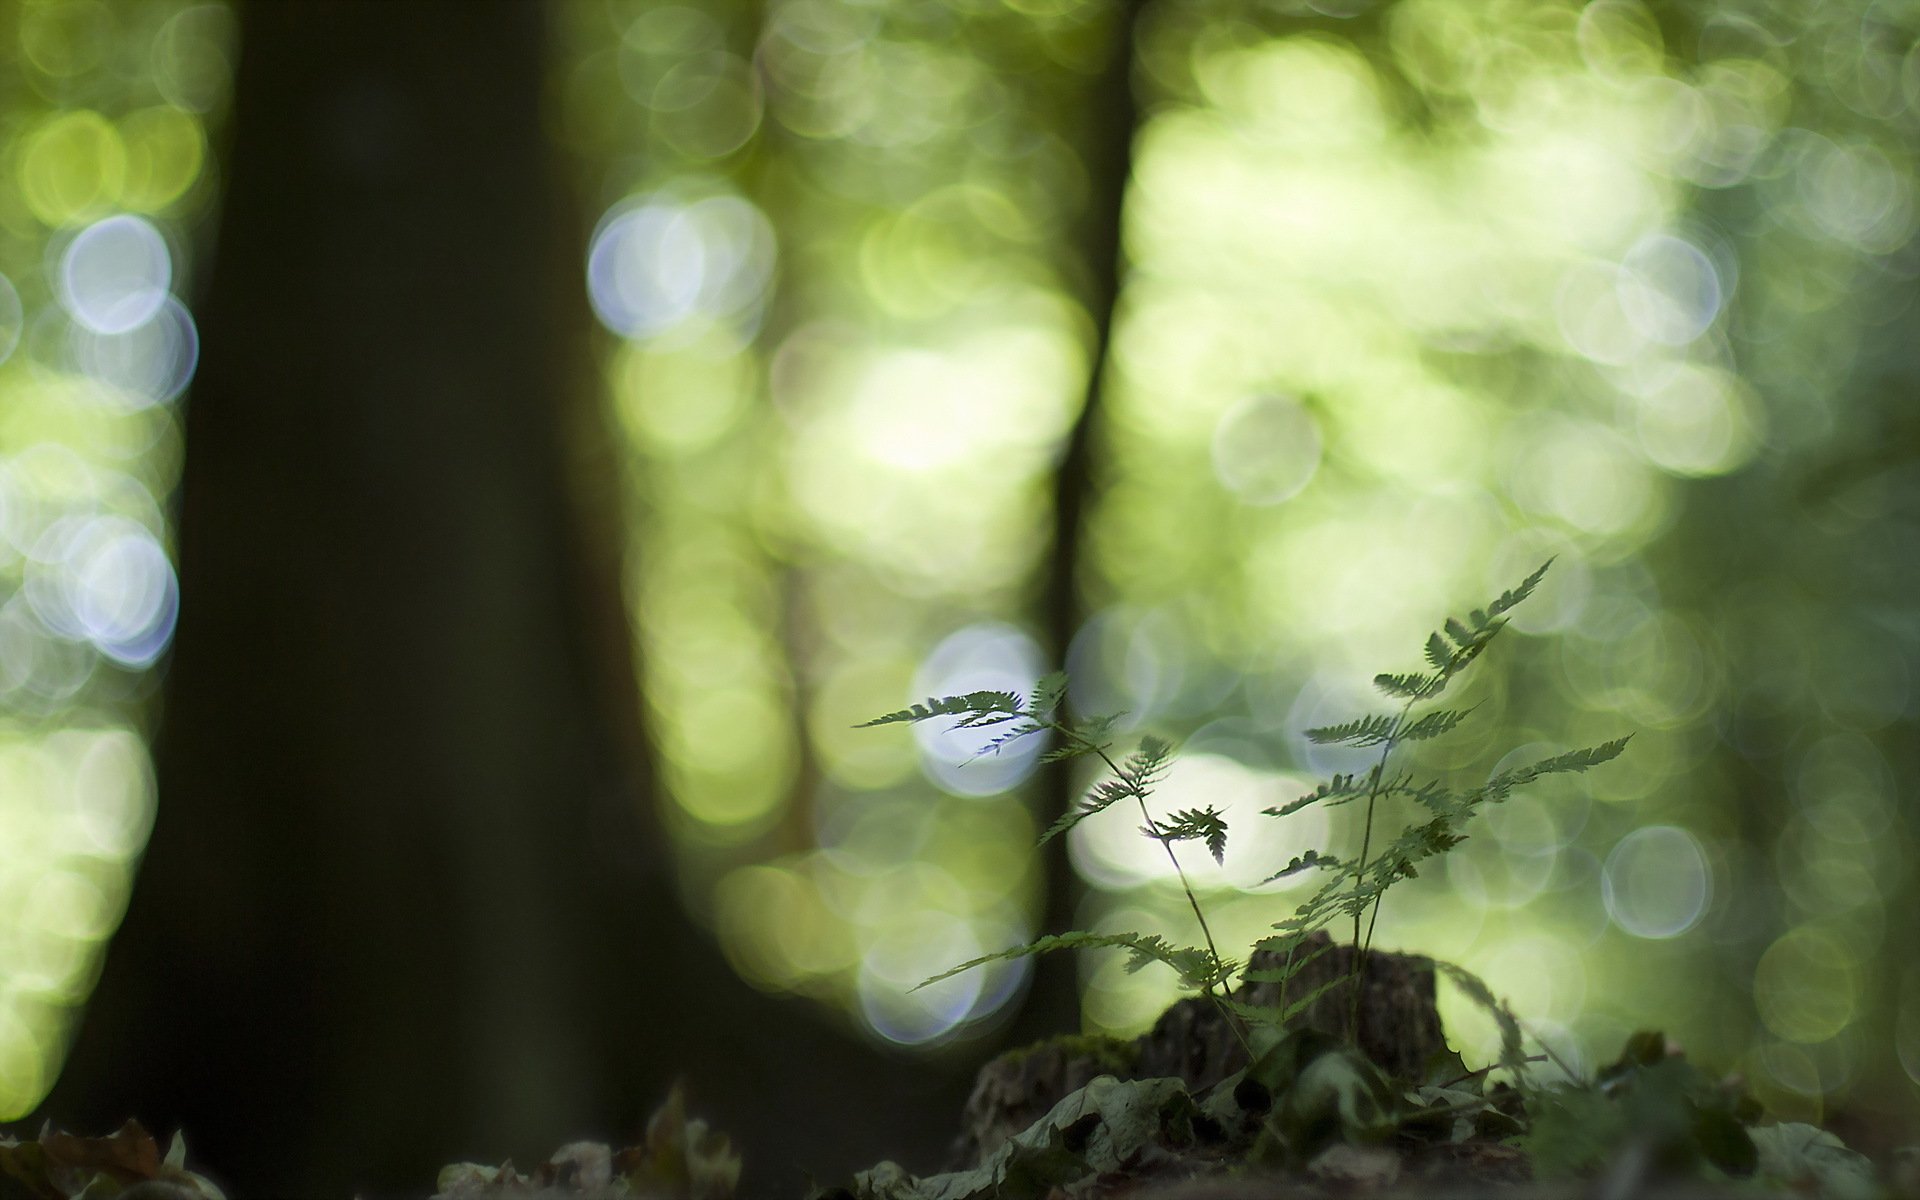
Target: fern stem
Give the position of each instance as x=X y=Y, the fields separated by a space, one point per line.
x=1186 y=885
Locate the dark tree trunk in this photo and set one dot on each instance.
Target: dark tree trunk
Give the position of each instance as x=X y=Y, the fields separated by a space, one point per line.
x=1109 y=121
x=404 y=902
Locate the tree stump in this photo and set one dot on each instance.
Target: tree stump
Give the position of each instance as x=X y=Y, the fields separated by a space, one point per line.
x=1399 y=1030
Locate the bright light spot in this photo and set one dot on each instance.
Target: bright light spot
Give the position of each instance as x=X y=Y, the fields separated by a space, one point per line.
x=146 y=365
x=1128 y=661
x=1514 y=865
x=1668 y=289
x=115 y=274
x=104 y=580
x=23 y=1062
x=13 y=318
x=122 y=592
x=1656 y=883
x=1698 y=421
x=906 y=953
x=1806 y=986
x=1583 y=474
x=659 y=262
x=1111 y=851
x=984 y=657
x=1591 y=311
x=1266 y=449
x=113 y=793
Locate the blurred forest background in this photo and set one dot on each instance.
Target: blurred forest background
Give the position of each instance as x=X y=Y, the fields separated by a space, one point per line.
x=466 y=467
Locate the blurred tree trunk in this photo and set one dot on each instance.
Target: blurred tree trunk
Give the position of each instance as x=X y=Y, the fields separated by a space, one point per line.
x=404 y=902
x=1109 y=120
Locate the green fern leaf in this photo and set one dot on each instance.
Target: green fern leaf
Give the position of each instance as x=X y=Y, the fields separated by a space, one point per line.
x=1515 y=595
x=1434 y=724
x=1196 y=824
x=973 y=708
x=1143 y=767
x=1410 y=686
x=1311 y=860
x=1104 y=796
x=1363 y=731
x=1332 y=789
x=1286 y=947
x=1068 y=750
x=1498 y=788
x=1191 y=964
x=1439 y=654
x=1512 y=1056
x=1461 y=635
x=1048 y=692
x=994 y=746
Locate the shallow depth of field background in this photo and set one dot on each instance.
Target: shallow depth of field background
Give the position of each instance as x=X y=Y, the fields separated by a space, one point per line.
x=1417 y=294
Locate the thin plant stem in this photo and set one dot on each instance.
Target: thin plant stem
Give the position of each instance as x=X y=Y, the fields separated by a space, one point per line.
x=1186 y=885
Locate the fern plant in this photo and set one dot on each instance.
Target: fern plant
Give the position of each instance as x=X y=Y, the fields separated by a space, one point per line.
x=1356 y=885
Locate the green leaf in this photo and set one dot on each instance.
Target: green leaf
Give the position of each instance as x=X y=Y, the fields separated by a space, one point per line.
x=1197 y=968
x=1410 y=686
x=1434 y=724
x=1305 y=862
x=1807 y=1158
x=1013 y=735
x=1498 y=788
x=1196 y=824
x=1508 y=599
x=1461 y=635
x=1104 y=796
x=1048 y=692
x=1363 y=731
x=1439 y=654
x=1512 y=1056
x=974 y=708
x=1338 y=786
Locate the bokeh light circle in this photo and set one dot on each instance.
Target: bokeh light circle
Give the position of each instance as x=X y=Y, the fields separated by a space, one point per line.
x=114 y=274
x=149 y=364
x=656 y=263
x=1266 y=449
x=1656 y=883
x=1806 y=986
x=990 y=656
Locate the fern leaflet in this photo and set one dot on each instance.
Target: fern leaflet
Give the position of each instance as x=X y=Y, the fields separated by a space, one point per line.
x=1363 y=731
x=1193 y=825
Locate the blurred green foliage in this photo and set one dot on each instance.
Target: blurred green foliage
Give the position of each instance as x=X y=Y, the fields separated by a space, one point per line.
x=105 y=111
x=1417 y=293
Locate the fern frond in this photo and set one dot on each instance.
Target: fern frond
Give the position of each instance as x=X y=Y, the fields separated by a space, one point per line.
x=1014 y=735
x=1193 y=825
x=1048 y=692
x=1339 y=785
x=1363 y=731
x=1306 y=862
x=1461 y=635
x=974 y=708
x=1143 y=767
x=1434 y=724
x=1501 y=785
x=1285 y=946
x=1516 y=594
x=1410 y=686
x=1512 y=1056
x=1068 y=750
x=1439 y=654
x=1103 y=797
x=1197 y=968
